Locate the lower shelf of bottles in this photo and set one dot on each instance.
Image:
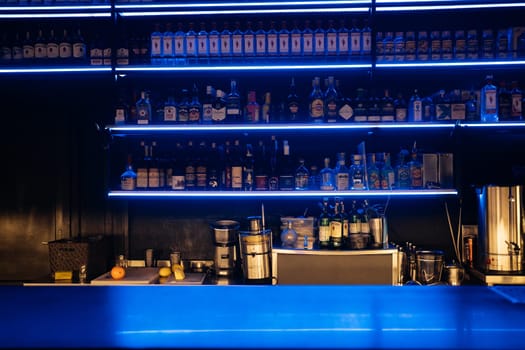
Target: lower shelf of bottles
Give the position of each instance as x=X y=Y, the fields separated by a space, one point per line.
x=281 y=194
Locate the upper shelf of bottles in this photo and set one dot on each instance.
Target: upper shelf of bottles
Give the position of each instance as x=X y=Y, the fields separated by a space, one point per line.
x=106 y=8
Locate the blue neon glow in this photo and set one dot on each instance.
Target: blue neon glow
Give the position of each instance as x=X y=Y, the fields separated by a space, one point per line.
x=494 y=125
x=280 y=194
x=56 y=15
x=452 y=64
x=253 y=67
x=241 y=12
x=244 y=4
x=447 y=7
x=275 y=127
x=55 y=8
x=55 y=70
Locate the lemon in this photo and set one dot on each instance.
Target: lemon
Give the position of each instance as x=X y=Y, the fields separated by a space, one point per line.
x=178 y=271
x=164 y=271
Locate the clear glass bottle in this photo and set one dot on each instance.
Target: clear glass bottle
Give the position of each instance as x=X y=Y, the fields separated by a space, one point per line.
x=316 y=102
x=366 y=39
x=288 y=236
x=296 y=39
x=226 y=41
x=331 y=39
x=143 y=106
x=168 y=44
x=308 y=39
x=191 y=42
x=272 y=41
x=180 y=42
x=357 y=174
x=415 y=108
x=302 y=176
x=260 y=40
x=203 y=50
x=343 y=39
x=331 y=101
x=327 y=176
x=355 y=39
x=284 y=40
x=128 y=179
x=388 y=177
x=249 y=40
x=65 y=47
x=341 y=173
x=156 y=44
x=374 y=177
x=237 y=41
x=319 y=39
x=489 y=101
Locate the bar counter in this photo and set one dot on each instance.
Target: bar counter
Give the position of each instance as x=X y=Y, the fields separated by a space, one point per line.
x=262 y=317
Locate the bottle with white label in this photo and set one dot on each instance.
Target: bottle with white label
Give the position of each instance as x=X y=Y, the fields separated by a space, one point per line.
x=237 y=42
x=180 y=42
x=28 y=48
x=128 y=179
x=341 y=173
x=343 y=39
x=331 y=39
x=366 y=39
x=218 y=111
x=202 y=41
x=284 y=40
x=517 y=99
x=156 y=45
x=272 y=40
x=324 y=225
x=249 y=42
x=316 y=104
x=319 y=39
x=143 y=106
x=170 y=109
x=213 y=41
x=65 y=47
x=226 y=41
x=260 y=40
x=308 y=39
x=191 y=42
x=207 y=105
x=296 y=40
x=489 y=101
x=415 y=108
x=168 y=44
x=355 y=39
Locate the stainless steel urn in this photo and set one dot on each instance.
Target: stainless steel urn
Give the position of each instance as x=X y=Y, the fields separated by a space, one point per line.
x=500 y=241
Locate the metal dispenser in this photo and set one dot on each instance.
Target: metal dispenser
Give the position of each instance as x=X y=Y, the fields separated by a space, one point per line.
x=256 y=249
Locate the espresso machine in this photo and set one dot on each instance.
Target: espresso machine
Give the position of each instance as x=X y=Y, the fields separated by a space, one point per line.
x=224 y=233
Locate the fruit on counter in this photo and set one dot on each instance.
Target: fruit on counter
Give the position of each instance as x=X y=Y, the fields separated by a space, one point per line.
x=178 y=271
x=164 y=271
x=118 y=272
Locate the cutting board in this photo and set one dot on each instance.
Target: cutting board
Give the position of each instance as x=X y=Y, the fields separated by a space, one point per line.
x=191 y=278
x=134 y=275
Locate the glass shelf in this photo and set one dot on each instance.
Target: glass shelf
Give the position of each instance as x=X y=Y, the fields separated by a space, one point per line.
x=436 y=5
x=280 y=194
x=53 y=69
x=506 y=63
x=55 y=11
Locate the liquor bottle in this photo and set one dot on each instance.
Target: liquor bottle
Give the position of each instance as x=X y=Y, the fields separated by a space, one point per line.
x=319 y=39
x=331 y=101
x=288 y=236
x=184 y=107
x=178 y=177
x=423 y=46
x=364 y=227
x=380 y=47
x=252 y=109
x=203 y=49
x=343 y=39
x=168 y=44
x=374 y=177
x=457 y=106
x=296 y=39
x=65 y=48
x=142 y=168
x=460 y=45
x=327 y=177
x=517 y=99
x=266 y=109
x=121 y=109
x=52 y=46
x=207 y=105
x=40 y=46
x=191 y=42
x=286 y=172
x=489 y=101
x=180 y=42
x=226 y=173
x=366 y=39
x=218 y=112
x=400 y=107
x=261 y=167
x=388 y=177
x=324 y=225
x=388 y=47
x=331 y=39
x=248 y=171
x=355 y=39
x=447 y=49
x=28 y=48
x=195 y=110
x=471 y=108
x=156 y=44
x=96 y=51
x=213 y=177
x=170 y=108
x=354 y=219
x=410 y=46
x=122 y=55
x=504 y=102
x=402 y=171
x=415 y=108
x=429 y=109
x=273 y=176
x=249 y=40
x=284 y=40
x=435 y=45
x=336 y=227
x=237 y=166
x=79 y=46
x=487 y=43
x=128 y=179
x=190 y=164
x=316 y=102
x=314 y=179
x=260 y=40
x=143 y=106
x=214 y=46
x=233 y=104
x=272 y=41
x=415 y=169
x=374 y=108
x=502 y=44
x=308 y=39
x=302 y=176
x=399 y=47
x=237 y=40
x=346 y=223
x=345 y=111
x=293 y=104
x=153 y=170
x=388 y=110
x=360 y=106
x=225 y=39
x=341 y=173
x=357 y=174
x=472 y=44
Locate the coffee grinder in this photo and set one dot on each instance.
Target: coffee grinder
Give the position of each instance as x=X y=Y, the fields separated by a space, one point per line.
x=225 y=235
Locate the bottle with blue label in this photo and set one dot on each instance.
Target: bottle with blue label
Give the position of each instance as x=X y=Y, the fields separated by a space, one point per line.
x=489 y=101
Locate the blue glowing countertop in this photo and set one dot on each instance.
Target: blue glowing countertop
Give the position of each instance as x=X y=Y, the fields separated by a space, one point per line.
x=350 y=317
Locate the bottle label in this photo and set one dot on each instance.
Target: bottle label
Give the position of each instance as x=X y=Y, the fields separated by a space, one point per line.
x=296 y=44
x=142 y=178
x=167 y=46
x=65 y=49
x=458 y=111
x=40 y=50
x=331 y=43
x=343 y=43
x=249 y=45
x=79 y=50
x=345 y=228
x=202 y=43
x=189 y=176
x=236 y=177
x=272 y=44
x=261 y=182
x=490 y=101
x=356 y=43
x=336 y=229
x=417 y=110
x=191 y=50
x=301 y=182
x=179 y=46
x=106 y=54
x=120 y=116
x=317 y=108
x=308 y=46
x=153 y=178
x=516 y=105
x=96 y=56
x=324 y=231
x=128 y=183
x=29 y=51
x=207 y=111
x=195 y=114
x=52 y=50
x=178 y=182
x=416 y=176
x=367 y=43
x=273 y=183
x=401 y=114
x=319 y=44
x=156 y=45
x=354 y=227
x=261 y=44
x=170 y=114
x=284 y=44
x=346 y=112
x=184 y=115
x=341 y=181
x=237 y=44
x=226 y=49
x=364 y=227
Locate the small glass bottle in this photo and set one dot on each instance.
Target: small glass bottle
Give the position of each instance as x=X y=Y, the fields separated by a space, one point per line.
x=357 y=174
x=288 y=236
x=301 y=176
x=143 y=106
x=489 y=101
x=327 y=177
x=128 y=179
x=341 y=173
x=324 y=225
x=316 y=102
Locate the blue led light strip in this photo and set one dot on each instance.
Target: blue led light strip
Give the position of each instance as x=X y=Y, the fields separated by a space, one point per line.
x=451 y=64
x=242 y=67
x=447 y=7
x=56 y=15
x=241 y=12
x=276 y=127
x=244 y=4
x=55 y=70
x=55 y=8
x=279 y=194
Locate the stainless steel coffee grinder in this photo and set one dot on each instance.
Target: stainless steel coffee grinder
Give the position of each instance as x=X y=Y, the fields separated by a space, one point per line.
x=255 y=246
x=225 y=233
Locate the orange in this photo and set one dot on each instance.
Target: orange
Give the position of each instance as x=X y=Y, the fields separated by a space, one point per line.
x=118 y=272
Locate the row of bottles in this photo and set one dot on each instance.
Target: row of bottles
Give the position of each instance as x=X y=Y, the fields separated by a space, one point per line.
x=445 y=45
x=265 y=40
x=322 y=105
x=267 y=166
